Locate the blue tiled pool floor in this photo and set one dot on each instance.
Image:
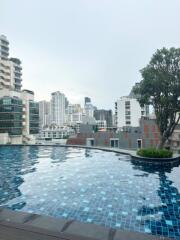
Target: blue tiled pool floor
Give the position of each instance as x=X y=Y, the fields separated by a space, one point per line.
x=91 y=186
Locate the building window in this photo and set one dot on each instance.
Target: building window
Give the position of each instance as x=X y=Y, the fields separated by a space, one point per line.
x=128 y=113
x=127 y=103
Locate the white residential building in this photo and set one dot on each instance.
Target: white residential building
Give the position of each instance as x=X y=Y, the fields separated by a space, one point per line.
x=74 y=114
x=44 y=114
x=74 y=118
x=58 y=108
x=56 y=132
x=128 y=112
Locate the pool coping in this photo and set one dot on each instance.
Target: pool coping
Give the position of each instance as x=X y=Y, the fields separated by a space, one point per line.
x=14 y=224
x=132 y=153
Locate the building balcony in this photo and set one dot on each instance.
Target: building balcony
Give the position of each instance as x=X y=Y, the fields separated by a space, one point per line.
x=4 y=53
x=4 y=43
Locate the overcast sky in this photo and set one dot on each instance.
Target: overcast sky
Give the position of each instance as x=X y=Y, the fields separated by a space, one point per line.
x=89 y=48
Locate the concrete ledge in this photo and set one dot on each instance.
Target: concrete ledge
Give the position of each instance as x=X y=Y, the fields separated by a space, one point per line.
x=88 y=230
x=9 y=216
x=48 y=223
x=23 y=226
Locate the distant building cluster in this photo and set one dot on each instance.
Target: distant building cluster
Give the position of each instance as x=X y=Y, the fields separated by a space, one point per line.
x=23 y=120
x=59 y=115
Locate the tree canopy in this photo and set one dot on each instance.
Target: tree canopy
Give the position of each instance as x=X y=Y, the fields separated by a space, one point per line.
x=160 y=87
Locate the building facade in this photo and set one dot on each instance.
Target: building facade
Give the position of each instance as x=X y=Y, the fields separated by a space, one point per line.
x=104 y=115
x=74 y=114
x=17 y=107
x=56 y=132
x=11 y=121
x=101 y=124
x=10 y=68
x=128 y=112
x=4 y=47
x=30 y=114
x=58 y=108
x=145 y=135
x=44 y=114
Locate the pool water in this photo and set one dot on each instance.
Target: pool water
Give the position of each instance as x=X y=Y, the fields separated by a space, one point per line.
x=93 y=186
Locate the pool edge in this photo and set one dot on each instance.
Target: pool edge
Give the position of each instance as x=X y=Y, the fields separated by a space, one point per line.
x=131 y=153
x=64 y=229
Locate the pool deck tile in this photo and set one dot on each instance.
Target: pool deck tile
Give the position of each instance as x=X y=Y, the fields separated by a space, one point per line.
x=88 y=230
x=48 y=223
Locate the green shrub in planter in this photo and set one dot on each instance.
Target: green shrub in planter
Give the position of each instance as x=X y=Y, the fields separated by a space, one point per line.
x=155 y=153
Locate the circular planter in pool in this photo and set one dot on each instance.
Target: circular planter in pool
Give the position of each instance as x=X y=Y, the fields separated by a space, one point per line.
x=156 y=160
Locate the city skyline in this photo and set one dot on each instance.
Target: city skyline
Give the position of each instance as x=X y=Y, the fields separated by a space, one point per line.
x=87 y=48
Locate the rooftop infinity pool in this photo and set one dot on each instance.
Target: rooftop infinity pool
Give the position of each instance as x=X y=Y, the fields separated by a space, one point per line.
x=94 y=186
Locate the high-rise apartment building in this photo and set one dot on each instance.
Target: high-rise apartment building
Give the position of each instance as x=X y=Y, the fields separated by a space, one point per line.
x=30 y=113
x=104 y=115
x=57 y=108
x=4 y=47
x=44 y=114
x=128 y=112
x=18 y=111
x=88 y=107
x=10 y=68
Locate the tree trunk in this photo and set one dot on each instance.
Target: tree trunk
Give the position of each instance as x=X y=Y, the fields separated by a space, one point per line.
x=162 y=142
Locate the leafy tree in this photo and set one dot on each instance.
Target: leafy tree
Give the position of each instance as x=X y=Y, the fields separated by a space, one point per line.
x=160 y=87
